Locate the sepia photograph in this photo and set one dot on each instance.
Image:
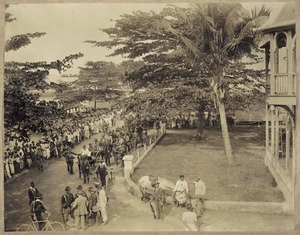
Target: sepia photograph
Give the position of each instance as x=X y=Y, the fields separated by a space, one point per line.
x=149 y=117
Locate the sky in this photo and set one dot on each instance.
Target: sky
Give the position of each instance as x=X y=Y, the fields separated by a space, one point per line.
x=68 y=25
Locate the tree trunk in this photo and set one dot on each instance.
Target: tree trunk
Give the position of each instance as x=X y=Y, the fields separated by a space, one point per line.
x=225 y=134
x=200 y=123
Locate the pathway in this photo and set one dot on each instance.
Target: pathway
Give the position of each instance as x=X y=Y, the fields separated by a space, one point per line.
x=126 y=212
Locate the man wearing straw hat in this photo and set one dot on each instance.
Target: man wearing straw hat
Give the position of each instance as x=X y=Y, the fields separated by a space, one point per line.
x=80 y=210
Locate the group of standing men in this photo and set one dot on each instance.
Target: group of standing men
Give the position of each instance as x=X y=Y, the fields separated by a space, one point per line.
x=84 y=206
x=88 y=163
x=79 y=207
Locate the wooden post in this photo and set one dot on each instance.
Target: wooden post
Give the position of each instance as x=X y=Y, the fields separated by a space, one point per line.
x=289 y=56
x=267 y=127
x=273 y=60
x=287 y=144
x=273 y=131
x=276 y=134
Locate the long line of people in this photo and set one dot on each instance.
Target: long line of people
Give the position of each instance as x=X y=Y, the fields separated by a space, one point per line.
x=65 y=134
x=95 y=157
x=26 y=153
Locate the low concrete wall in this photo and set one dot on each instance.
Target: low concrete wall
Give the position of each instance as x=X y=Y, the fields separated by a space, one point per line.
x=129 y=168
x=132 y=187
x=147 y=151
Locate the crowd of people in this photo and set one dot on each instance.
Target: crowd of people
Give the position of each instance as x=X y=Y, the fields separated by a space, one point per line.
x=95 y=157
x=25 y=153
x=189 y=120
x=57 y=140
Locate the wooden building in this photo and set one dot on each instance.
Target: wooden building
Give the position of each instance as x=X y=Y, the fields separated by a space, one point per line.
x=280 y=55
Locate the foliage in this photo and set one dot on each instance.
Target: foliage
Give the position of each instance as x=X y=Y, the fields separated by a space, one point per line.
x=8 y=16
x=206 y=38
x=21 y=79
x=23 y=84
x=187 y=43
x=97 y=80
x=18 y=41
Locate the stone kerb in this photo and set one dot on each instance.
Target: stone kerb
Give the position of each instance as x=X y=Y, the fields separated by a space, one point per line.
x=252 y=207
x=130 y=165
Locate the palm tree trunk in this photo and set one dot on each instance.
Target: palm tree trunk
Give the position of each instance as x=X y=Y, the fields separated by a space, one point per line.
x=225 y=134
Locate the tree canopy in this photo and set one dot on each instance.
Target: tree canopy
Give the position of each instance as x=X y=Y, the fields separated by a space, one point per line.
x=23 y=84
x=208 y=39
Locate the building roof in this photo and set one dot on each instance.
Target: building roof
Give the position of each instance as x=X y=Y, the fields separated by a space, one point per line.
x=285 y=19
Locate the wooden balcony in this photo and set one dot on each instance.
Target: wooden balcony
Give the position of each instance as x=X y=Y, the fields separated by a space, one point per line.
x=283 y=89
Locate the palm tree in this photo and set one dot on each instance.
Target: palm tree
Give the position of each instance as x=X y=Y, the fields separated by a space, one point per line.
x=214 y=36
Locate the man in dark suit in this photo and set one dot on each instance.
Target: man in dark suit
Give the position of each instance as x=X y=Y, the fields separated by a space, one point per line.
x=160 y=200
x=66 y=204
x=32 y=192
x=39 y=209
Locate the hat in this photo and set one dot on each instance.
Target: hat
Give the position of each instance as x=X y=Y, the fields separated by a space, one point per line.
x=97 y=181
x=91 y=189
x=79 y=187
x=39 y=196
x=197 y=178
x=67 y=188
x=189 y=207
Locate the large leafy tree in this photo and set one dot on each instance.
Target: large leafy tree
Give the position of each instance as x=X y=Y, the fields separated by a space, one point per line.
x=171 y=88
x=207 y=38
x=97 y=80
x=217 y=36
x=22 y=111
x=157 y=102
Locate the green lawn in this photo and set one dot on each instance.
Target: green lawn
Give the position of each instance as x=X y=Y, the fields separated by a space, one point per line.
x=179 y=153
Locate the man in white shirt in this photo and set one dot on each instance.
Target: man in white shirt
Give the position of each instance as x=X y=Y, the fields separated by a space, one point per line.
x=102 y=202
x=200 y=190
x=85 y=152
